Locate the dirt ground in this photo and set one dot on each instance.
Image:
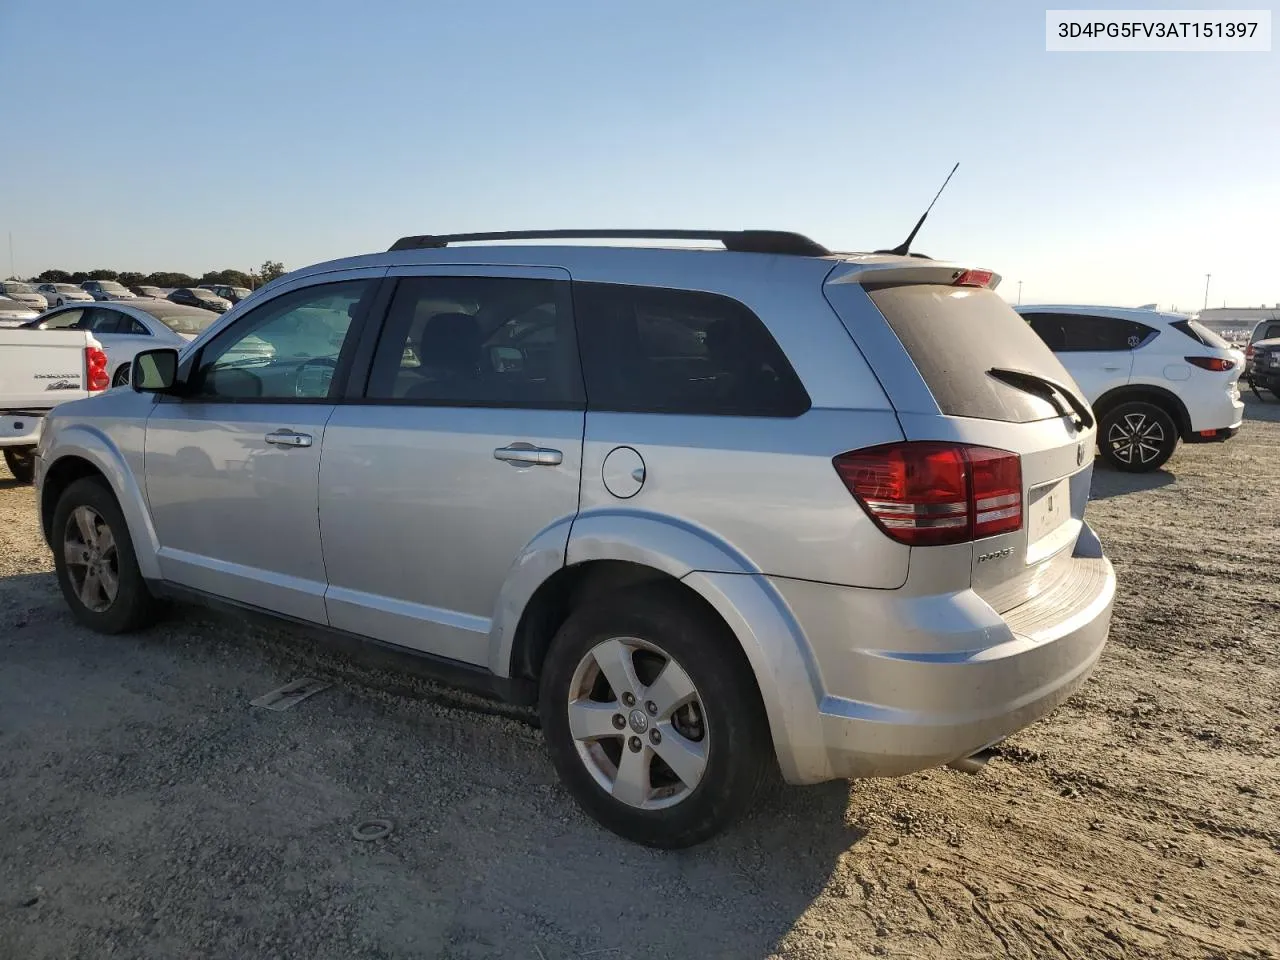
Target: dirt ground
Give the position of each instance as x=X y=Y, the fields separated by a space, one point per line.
x=147 y=811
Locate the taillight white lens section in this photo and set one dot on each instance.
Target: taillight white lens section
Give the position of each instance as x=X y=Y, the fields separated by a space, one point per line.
x=927 y=493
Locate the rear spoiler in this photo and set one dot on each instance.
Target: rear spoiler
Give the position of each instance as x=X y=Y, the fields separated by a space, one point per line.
x=878 y=269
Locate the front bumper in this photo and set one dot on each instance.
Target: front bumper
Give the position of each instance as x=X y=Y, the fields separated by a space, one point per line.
x=953 y=676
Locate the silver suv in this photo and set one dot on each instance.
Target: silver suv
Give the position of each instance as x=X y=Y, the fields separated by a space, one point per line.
x=714 y=511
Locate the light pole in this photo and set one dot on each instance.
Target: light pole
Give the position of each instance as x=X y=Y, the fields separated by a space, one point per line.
x=1206 y=290
x=1019 y=293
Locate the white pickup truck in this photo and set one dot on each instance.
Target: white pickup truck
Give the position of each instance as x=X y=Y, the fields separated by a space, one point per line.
x=38 y=372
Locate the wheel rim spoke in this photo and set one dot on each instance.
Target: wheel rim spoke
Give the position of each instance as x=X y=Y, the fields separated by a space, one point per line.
x=91 y=589
x=73 y=553
x=631 y=786
x=109 y=581
x=671 y=691
x=591 y=720
x=86 y=523
x=614 y=657
x=686 y=758
x=106 y=541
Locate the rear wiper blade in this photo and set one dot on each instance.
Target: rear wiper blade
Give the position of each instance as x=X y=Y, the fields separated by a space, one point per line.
x=1050 y=390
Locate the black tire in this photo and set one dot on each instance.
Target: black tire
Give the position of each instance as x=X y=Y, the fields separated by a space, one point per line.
x=1137 y=436
x=739 y=754
x=21 y=462
x=121 y=377
x=132 y=607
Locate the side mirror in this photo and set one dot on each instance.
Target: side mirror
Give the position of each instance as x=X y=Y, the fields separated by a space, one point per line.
x=154 y=371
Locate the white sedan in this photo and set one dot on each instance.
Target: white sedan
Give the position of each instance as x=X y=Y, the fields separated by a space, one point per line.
x=56 y=294
x=14 y=313
x=127 y=327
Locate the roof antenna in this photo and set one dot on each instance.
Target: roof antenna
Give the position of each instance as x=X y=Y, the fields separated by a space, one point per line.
x=902 y=249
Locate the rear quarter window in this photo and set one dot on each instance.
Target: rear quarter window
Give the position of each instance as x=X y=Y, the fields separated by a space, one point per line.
x=658 y=350
x=954 y=335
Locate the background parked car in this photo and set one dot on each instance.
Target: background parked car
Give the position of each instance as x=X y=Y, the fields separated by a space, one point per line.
x=59 y=293
x=156 y=293
x=107 y=290
x=14 y=313
x=23 y=293
x=199 y=297
x=1152 y=378
x=125 y=328
x=234 y=294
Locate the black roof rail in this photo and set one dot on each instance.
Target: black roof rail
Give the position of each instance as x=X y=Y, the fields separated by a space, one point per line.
x=740 y=241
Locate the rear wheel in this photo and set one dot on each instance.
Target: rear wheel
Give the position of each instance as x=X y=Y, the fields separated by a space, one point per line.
x=121 y=377
x=21 y=462
x=1137 y=436
x=653 y=719
x=95 y=563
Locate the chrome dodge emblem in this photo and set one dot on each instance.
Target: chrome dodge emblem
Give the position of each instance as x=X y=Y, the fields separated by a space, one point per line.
x=639 y=721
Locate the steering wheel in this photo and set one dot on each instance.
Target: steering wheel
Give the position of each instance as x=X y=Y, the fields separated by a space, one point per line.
x=322 y=377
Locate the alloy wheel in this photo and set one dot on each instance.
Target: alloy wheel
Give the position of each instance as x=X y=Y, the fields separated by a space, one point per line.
x=1136 y=438
x=638 y=723
x=93 y=563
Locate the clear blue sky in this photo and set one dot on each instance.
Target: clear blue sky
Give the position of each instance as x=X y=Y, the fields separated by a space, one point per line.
x=153 y=134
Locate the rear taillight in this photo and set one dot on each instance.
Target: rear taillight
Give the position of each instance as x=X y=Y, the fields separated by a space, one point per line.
x=1248 y=352
x=95 y=366
x=926 y=493
x=1216 y=364
x=972 y=278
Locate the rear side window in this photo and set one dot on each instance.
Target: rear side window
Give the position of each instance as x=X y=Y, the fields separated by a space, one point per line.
x=656 y=350
x=1081 y=333
x=954 y=335
x=479 y=341
x=1201 y=334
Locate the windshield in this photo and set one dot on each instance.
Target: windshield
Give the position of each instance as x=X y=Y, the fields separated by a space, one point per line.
x=206 y=294
x=240 y=292
x=13 y=287
x=188 y=323
x=112 y=286
x=67 y=288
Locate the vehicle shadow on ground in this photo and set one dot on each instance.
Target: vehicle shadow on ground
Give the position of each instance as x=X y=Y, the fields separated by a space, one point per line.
x=1266 y=411
x=1109 y=483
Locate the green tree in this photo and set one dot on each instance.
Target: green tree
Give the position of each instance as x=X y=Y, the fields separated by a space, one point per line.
x=54 y=276
x=169 y=279
x=270 y=270
x=232 y=278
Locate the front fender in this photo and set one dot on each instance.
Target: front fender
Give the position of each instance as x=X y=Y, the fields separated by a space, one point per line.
x=93 y=445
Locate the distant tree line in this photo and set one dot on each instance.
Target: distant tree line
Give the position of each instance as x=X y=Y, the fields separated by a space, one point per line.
x=130 y=278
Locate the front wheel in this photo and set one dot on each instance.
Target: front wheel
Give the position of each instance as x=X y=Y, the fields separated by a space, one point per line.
x=21 y=462
x=94 y=560
x=653 y=719
x=1137 y=436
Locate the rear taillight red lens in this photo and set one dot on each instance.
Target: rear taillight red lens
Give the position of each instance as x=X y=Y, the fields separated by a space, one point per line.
x=972 y=278
x=926 y=493
x=1248 y=352
x=1216 y=364
x=95 y=366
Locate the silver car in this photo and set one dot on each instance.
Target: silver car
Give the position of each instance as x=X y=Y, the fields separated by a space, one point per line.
x=715 y=511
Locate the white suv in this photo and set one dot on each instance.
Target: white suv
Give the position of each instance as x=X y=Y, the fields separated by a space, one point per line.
x=1150 y=377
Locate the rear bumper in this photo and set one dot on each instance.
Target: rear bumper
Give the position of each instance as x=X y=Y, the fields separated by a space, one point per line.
x=927 y=680
x=20 y=429
x=1221 y=435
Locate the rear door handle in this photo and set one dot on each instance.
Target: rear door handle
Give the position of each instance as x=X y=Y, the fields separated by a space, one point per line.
x=524 y=454
x=288 y=438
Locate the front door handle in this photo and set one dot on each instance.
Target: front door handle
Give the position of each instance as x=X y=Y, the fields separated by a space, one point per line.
x=288 y=438
x=522 y=454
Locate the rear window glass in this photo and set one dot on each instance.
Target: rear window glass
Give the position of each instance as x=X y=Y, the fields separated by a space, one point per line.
x=1200 y=333
x=954 y=335
x=656 y=350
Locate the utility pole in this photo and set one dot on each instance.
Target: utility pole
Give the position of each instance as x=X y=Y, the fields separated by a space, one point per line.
x=12 y=272
x=1206 y=290
x=1019 y=293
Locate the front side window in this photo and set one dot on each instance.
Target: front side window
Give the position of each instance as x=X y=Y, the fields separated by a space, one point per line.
x=478 y=341
x=656 y=350
x=287 y=348
x=66 y=320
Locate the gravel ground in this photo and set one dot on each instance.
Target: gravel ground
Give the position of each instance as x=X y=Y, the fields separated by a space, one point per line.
x=146 y=810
